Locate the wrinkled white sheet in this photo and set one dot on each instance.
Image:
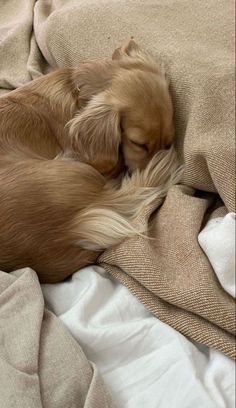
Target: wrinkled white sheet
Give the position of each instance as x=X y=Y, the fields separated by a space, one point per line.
x=145 y=362
x=217 y=240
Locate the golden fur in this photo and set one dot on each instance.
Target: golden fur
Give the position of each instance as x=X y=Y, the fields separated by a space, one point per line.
x=63 y=140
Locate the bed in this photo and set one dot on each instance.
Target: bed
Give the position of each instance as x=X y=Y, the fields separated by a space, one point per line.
x=153 y=323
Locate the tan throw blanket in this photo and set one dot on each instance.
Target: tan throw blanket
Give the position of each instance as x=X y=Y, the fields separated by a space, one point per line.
x=41 y=365
x=195 y=39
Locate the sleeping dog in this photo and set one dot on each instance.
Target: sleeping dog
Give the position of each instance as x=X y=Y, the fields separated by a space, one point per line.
x=65 y=141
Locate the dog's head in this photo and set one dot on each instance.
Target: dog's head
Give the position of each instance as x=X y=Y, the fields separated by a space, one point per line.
x=130 y=118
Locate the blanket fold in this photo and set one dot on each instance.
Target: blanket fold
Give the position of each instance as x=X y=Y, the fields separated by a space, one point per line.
x=173 y=278
x=41 y=365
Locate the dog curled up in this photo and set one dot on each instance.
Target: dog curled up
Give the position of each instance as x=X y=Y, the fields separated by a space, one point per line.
x=66 y=140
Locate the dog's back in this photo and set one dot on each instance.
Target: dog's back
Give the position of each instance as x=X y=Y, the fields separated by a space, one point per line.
x=39 y=200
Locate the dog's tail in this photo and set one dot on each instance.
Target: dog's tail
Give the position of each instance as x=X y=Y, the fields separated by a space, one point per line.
x=117 y=217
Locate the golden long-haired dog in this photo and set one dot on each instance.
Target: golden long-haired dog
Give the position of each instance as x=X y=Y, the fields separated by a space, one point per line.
x=64 y=138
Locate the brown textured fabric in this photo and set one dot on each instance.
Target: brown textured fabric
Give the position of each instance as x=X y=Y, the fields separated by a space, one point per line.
x=172 y=276
x=41 y=365
x=195 y=40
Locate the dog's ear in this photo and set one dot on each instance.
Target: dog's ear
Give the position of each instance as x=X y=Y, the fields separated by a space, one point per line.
x=95 y=133
x=128 y=48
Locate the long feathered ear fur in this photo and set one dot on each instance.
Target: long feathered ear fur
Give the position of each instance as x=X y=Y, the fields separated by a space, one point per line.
x=95 y=133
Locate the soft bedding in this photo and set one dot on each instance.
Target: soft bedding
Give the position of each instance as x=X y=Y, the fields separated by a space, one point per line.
x=145 y=362
x=217 y=240
x=41 y=365
x=181 y=278
x=194 y=39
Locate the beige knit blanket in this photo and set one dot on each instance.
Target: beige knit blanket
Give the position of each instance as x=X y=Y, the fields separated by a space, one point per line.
x=195 y=39
x=41 y=365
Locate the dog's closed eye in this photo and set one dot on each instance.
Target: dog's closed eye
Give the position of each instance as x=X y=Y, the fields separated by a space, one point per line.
x=141 y=146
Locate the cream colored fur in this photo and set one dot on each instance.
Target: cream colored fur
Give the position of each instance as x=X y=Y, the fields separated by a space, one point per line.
x=66 y=140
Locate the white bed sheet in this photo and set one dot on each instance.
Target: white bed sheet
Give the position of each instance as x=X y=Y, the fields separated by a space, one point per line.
x=145 y=362
x=217 y=240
